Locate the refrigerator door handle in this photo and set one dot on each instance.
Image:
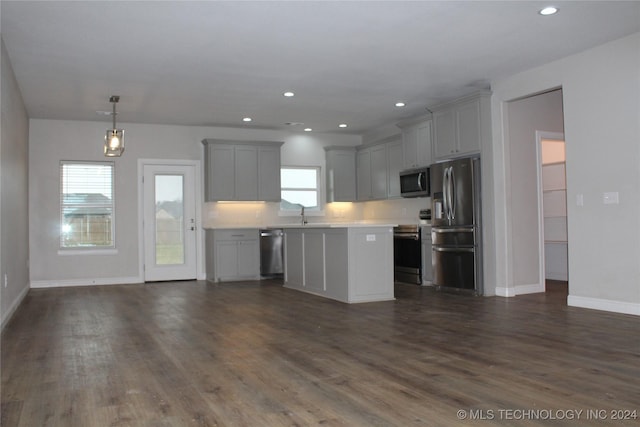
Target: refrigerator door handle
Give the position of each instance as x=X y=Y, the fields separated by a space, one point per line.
x=445 y=192
x=452 y=193
x=445 y=249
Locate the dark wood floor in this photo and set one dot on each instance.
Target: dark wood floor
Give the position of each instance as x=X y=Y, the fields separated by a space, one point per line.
x=256 y=354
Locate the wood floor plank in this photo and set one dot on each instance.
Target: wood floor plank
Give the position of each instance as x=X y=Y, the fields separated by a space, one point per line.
x=256 y=354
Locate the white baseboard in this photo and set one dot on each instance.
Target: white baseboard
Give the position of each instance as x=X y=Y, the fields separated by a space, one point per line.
x=529 y=289
x=6 y=316
x=519 y=290
x=505 y=292
x=603 y=304
x=85 y=282
x=563 y=276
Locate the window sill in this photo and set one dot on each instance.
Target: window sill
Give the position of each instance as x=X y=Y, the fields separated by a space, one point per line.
x=74 y=252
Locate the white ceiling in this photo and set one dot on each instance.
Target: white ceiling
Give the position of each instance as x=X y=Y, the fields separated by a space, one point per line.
x=213 y=63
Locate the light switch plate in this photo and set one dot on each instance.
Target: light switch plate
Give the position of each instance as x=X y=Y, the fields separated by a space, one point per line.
x=579 y=199
x=610 y=198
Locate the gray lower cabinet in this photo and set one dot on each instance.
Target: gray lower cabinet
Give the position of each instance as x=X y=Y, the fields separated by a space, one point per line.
x=427 y=267
x=242 y=170
x=233 y=254
x=346 y=264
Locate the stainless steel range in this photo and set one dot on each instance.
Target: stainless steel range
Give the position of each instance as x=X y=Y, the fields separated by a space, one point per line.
x=407 y=254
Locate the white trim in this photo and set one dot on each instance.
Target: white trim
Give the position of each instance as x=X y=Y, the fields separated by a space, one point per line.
x=533 y=288
x=198 y=178
x=36 y=284
x=6 y=316
x=604 y=304
x=557 y=276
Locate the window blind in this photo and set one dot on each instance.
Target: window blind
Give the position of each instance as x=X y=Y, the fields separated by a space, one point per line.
x=86 y=205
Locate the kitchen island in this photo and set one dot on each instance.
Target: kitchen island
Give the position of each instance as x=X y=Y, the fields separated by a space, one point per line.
x=351 y=263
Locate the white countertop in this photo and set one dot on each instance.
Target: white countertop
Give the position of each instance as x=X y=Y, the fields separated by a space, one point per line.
x=359 y=224
x=336 y=225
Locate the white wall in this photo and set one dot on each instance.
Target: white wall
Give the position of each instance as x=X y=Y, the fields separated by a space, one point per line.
x=14 y=226
x=53 y=140
x=601 y=94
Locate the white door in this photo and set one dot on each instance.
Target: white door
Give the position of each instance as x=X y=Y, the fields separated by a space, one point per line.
x=169 y=222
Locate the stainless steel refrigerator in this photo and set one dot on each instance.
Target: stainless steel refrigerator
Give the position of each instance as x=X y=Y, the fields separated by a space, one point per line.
x=456 y=225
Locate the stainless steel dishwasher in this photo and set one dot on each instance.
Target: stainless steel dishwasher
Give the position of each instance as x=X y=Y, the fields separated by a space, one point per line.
x=271 y=253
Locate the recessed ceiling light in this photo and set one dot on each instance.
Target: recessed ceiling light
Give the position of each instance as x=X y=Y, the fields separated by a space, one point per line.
x=247 y=119
x=342 y=125
x=400 y=104
x=288 y=94
x=308 y=129
x=549 y=10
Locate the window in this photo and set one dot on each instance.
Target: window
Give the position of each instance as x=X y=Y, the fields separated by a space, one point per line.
x=86 y=205
x=300 y=186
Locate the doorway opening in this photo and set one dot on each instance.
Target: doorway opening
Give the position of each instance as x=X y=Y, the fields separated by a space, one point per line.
x=526 y=218
x=552 y=203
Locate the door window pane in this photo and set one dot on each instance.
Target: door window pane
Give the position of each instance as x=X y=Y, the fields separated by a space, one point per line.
x=169 y=219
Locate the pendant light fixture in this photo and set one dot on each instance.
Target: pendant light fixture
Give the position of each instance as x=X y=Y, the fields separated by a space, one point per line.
x=114 y=140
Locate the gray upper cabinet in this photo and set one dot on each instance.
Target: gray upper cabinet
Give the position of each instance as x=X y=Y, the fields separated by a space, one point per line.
x=461 y=127
x=416 y=142
x=378 y=170
x=395 y=163
x=246 y=172
x=341 y=174
x=363 y=172
x=269 y=173
x=242 y=170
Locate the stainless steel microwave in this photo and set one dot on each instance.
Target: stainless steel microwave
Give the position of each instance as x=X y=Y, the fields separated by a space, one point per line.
x=415 y=182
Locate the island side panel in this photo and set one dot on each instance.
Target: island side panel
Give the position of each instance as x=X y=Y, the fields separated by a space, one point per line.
x=314 y=267
x=371 y=264
x=337 y=264
x=294 y=259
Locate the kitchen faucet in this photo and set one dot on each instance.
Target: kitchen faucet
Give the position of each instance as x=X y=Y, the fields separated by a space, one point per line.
x=303 y=218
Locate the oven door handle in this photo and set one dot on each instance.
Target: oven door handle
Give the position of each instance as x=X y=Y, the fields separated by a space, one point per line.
x=453 y=230
x=406 y=236
x=441 y=249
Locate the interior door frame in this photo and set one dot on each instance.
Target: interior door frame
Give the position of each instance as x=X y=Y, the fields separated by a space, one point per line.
x=200 y=270
x=540 y=135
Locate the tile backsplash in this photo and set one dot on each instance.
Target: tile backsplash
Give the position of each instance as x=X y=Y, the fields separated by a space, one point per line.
x=249 y=214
